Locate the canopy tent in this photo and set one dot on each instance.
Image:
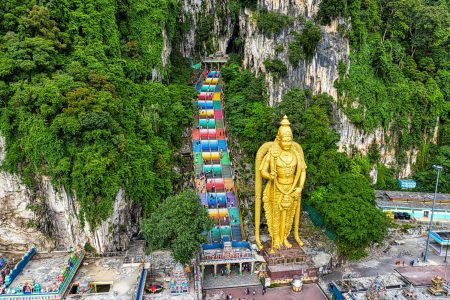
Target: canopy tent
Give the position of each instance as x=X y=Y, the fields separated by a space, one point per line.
x=204 y=123
x=214 y=202
x=221 y=196
x=217 y=184
x=225 y=230
x=216 y=96
x=212 y=81
x=216 y=213
x=231 y=199
x=205 y=104
x=214 y=156
x=208 y=88
x=208 y=134
x=206 y=113
x=215 y=236
x=197 y=66
x=205 y=96
x=218 y=114
x=215 y=169
x=209 y=145
x=214 y=74
x=225 y=159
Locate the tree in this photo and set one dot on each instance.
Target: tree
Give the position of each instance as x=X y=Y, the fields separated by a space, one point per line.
x=426 y=176
x=348 y=208
x=76 y=105
x=179 y=223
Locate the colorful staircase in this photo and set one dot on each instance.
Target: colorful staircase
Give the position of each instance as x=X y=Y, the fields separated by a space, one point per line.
x=213 y=170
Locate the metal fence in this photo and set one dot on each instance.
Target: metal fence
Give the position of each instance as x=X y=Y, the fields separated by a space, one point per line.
x=317 y=220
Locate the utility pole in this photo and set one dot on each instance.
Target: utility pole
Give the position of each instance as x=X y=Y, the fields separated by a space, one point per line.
x=446 y=250
x=438 y=168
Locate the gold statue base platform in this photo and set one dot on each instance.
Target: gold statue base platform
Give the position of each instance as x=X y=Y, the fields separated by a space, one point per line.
x=285 y=263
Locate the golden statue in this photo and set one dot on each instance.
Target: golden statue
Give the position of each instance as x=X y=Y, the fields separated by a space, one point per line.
x=282 y=164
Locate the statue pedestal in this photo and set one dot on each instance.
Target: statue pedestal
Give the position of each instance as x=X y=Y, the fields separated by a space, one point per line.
x=285 y=263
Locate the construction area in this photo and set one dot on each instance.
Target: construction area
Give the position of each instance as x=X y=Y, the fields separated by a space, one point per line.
x=395 y=270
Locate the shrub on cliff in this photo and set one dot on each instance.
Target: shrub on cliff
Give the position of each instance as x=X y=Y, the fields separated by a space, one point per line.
x=178 y=224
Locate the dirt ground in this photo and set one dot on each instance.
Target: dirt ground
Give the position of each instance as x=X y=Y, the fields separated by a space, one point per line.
x=399 y=247
x=309 y=292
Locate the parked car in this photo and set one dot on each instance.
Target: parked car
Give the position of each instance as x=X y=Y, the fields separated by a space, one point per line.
x=402 y=216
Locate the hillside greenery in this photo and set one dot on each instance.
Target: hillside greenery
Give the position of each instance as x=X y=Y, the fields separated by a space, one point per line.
x=178 y=224
x=331 y=175
x=271 y=23
x=399 y=73
x=88 y=100
x=77 y=103
x=275 y=66
x=304 y=44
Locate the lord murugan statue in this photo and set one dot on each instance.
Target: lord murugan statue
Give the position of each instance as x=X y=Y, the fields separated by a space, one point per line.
x=281 y=163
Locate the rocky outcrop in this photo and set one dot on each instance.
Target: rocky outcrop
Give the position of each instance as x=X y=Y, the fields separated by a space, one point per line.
x=319 y=74
x=16 y=218
x=352 y=136
x=50 y=218
x=221 y=31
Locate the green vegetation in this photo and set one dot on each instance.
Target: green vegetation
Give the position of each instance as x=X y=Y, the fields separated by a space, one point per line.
x=332 y=9
x=270 y=23
x=295 y=53
x=399 y=76
x=88 y=248
x=178 y=224
x=386 y=178
x=77 y=104
x=426 y=178
x=331 y=174
x=279 y=48
x=348 y=207
x=304 y=44
x=276 y=67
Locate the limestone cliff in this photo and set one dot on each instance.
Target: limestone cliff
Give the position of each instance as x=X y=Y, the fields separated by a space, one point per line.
x=318 y=75
x=49 y=218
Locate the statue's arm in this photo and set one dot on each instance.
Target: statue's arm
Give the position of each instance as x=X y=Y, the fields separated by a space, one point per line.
x=265 y=168
x=302 y=177
x=260 y=165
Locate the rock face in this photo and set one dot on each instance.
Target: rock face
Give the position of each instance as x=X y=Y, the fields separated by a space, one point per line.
x=318 y=75
x=49 y=218
x=221 y=31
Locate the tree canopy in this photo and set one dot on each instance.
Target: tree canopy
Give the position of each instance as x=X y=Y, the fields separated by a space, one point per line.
x=336 y=185
x=398 y=75
x=77 y=104
x=179 y=224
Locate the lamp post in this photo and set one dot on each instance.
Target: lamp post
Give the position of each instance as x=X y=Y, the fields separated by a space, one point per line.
x=438 y=168
x=446 y=250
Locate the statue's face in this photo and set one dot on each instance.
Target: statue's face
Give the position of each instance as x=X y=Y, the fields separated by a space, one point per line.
x=286 y=142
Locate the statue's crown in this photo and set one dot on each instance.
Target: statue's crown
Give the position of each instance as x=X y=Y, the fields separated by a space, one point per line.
x=285 y=121
x=285 y=128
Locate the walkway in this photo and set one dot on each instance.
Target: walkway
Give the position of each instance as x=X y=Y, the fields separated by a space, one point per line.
x=309 y=292
x=213 y=168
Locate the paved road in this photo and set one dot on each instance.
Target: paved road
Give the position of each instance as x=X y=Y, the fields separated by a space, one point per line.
x=309 y=292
